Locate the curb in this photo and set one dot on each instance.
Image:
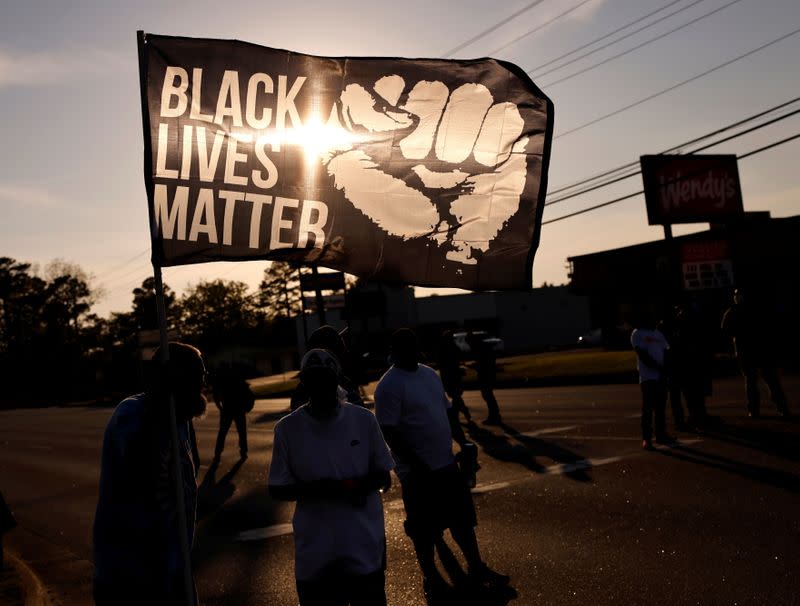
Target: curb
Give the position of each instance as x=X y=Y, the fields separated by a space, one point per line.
x=32 y=587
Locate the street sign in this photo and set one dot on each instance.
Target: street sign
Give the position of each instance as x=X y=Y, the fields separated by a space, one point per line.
x=706 y=264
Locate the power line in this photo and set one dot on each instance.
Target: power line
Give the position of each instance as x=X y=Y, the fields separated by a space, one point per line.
x=678 y=85
x=634 y=194
x=635 y=48
x=538 y=27
x=699 y=149
x=620 y=39
x=122 y=278
x=494 y=27
x=677 y=147
x=591 y=208
x=593 y=188
x=770 y=146
x=601 y=38
x=123 y=264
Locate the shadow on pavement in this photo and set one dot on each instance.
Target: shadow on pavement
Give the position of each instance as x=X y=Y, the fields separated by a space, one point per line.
x=269 y=417
x=461 y=590
x=525 y=451
x=765 y=439
x=212 y=494
x=229 y=571
x=763 y=475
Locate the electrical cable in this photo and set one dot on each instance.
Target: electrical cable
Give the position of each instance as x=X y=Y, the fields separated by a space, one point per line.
x=603 y=37
x=678 y=85
x=121 y=265
x=677 y=147
x=634 y=194
x=537 y=28
x=494 y=27
x=637 y=47
x=703 y=148
x=620 y=39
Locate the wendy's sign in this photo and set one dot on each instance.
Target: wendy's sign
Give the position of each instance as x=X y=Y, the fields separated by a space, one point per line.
x=422 y=171
x=691 y=188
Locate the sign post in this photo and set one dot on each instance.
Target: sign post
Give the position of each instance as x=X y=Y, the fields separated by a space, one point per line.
x=691 y=188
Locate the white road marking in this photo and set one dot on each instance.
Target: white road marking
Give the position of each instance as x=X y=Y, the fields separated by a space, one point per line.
x=260 y=534
x=561 y=468
x=482 y=488
x=581 y=438
x=541 y=432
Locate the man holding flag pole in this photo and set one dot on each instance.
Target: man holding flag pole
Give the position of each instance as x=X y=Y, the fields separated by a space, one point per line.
x=418 y=171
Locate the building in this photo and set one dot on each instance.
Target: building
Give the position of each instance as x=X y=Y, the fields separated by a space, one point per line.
x=756 y=253
x=535 y=320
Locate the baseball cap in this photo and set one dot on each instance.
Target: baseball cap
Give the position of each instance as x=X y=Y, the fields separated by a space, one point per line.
x=319 y=359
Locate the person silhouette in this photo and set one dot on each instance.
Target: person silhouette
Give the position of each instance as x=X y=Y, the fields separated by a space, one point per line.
x=451 y=373
x=138 y=555
x=331 y=458
x=412 y=409
x=651 y=347
x=486 y=367
x=234 y=400
x=754 y=342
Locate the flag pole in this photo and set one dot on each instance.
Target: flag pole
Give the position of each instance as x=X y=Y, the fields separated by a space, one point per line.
x=180 y=501
x=177 y=472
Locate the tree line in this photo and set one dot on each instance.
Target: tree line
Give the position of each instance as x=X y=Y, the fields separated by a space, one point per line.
x=54 y=348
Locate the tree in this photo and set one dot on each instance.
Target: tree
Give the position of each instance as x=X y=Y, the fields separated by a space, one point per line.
x=144 y=312
x=216 y=313
x=279 y=292
x=21 y=298
x=43 y=328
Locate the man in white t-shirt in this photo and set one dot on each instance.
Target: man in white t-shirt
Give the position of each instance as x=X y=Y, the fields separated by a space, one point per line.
x=331 y=458
x=651 y=346
x=412 y=409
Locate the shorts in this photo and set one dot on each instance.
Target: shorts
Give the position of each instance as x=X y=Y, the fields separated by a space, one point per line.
x=435 y=501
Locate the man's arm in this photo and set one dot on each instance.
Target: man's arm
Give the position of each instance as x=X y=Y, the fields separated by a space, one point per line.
x=402 y=448
x=455 y=427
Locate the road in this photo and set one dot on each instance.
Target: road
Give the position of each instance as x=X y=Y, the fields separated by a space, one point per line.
x=568 y=504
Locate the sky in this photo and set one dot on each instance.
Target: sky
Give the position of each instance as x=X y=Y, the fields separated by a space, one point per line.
x=71 y=181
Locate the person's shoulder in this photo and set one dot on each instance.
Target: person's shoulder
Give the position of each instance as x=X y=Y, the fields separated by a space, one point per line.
x=427 y=371
x=357 y=412
x=128 y=415
x=129 y=407
x=292 y=420
x=387 y=380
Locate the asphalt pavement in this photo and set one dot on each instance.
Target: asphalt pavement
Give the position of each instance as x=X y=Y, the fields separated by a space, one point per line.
x=568 y=504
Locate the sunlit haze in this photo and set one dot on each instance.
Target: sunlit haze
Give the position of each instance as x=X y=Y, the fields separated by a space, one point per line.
x=71 y=182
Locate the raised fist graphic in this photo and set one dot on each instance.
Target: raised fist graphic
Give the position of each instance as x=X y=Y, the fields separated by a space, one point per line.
x=463 y=165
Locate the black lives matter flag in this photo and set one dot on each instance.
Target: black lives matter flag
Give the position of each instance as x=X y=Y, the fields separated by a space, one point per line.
x=422 y=171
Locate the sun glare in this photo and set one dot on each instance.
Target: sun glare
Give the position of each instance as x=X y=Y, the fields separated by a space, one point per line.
x=315 y=137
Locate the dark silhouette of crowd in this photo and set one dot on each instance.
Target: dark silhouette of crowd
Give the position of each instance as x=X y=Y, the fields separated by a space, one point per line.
x=333 y=457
